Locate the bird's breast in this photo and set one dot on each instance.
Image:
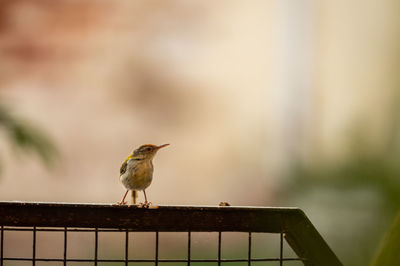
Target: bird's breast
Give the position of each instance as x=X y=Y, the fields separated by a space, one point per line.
x=139 y=174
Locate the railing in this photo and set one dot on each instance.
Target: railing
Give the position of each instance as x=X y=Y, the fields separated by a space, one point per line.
x=289 y=223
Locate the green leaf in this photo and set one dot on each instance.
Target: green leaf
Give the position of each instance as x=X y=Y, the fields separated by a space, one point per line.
x=27 y=138
x=388 y=253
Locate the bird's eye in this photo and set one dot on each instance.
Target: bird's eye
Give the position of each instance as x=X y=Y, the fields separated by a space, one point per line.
x=148 y=149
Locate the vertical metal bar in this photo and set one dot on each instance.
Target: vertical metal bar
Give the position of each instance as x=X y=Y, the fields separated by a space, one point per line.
x=126 y=246
x=189 y=247
x=281 y=251
x=2 y=245
x=65 y=247
x=156 y=259
x=219 y=248
x=249 y=254
x=96 y=244
x=34 y=247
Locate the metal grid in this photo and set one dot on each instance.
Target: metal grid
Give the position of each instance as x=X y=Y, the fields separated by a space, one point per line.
x=290 y=224
x=126 y=259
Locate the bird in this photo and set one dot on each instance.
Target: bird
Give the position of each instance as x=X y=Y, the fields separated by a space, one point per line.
x=136 y=172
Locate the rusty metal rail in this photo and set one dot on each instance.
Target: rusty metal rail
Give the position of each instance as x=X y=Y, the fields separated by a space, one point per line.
x=291 y=223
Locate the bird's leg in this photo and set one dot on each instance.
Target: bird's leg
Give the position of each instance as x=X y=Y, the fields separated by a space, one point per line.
x=146 y=203
x=145 y=197
x=123 y=202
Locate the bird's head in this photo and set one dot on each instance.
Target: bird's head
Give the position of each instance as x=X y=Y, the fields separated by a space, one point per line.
x=147 y=151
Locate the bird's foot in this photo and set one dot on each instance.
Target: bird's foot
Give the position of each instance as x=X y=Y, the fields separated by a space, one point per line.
x=121 y=203
x=145 y=204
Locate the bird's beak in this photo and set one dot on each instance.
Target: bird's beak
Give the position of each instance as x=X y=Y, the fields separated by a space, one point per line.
x=162 y=146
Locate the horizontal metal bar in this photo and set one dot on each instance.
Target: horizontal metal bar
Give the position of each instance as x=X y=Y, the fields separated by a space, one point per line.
x=151 y=260
x=161 y=218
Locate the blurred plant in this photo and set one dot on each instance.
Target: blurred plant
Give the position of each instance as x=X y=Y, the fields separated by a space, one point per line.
x=372 y=170
x=373 y=173
x=364 y=170
x=388 y=254
x=26 y=137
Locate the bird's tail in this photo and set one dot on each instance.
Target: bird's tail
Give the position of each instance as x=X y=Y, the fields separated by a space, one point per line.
x=134 y=195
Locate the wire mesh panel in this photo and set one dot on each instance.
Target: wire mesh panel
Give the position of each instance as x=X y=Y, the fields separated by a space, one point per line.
x=76 y=234
x=62 y=255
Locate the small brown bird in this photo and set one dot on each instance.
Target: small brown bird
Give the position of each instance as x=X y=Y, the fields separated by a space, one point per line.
x=136 y=172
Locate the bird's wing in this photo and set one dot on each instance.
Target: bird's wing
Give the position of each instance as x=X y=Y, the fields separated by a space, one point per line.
x=124 y=165
x=122 y=170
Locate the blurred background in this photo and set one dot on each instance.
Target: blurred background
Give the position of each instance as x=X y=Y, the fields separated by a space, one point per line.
x=264 y=103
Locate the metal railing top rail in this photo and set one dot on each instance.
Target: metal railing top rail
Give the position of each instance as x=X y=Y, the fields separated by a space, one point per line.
x=299 y=232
